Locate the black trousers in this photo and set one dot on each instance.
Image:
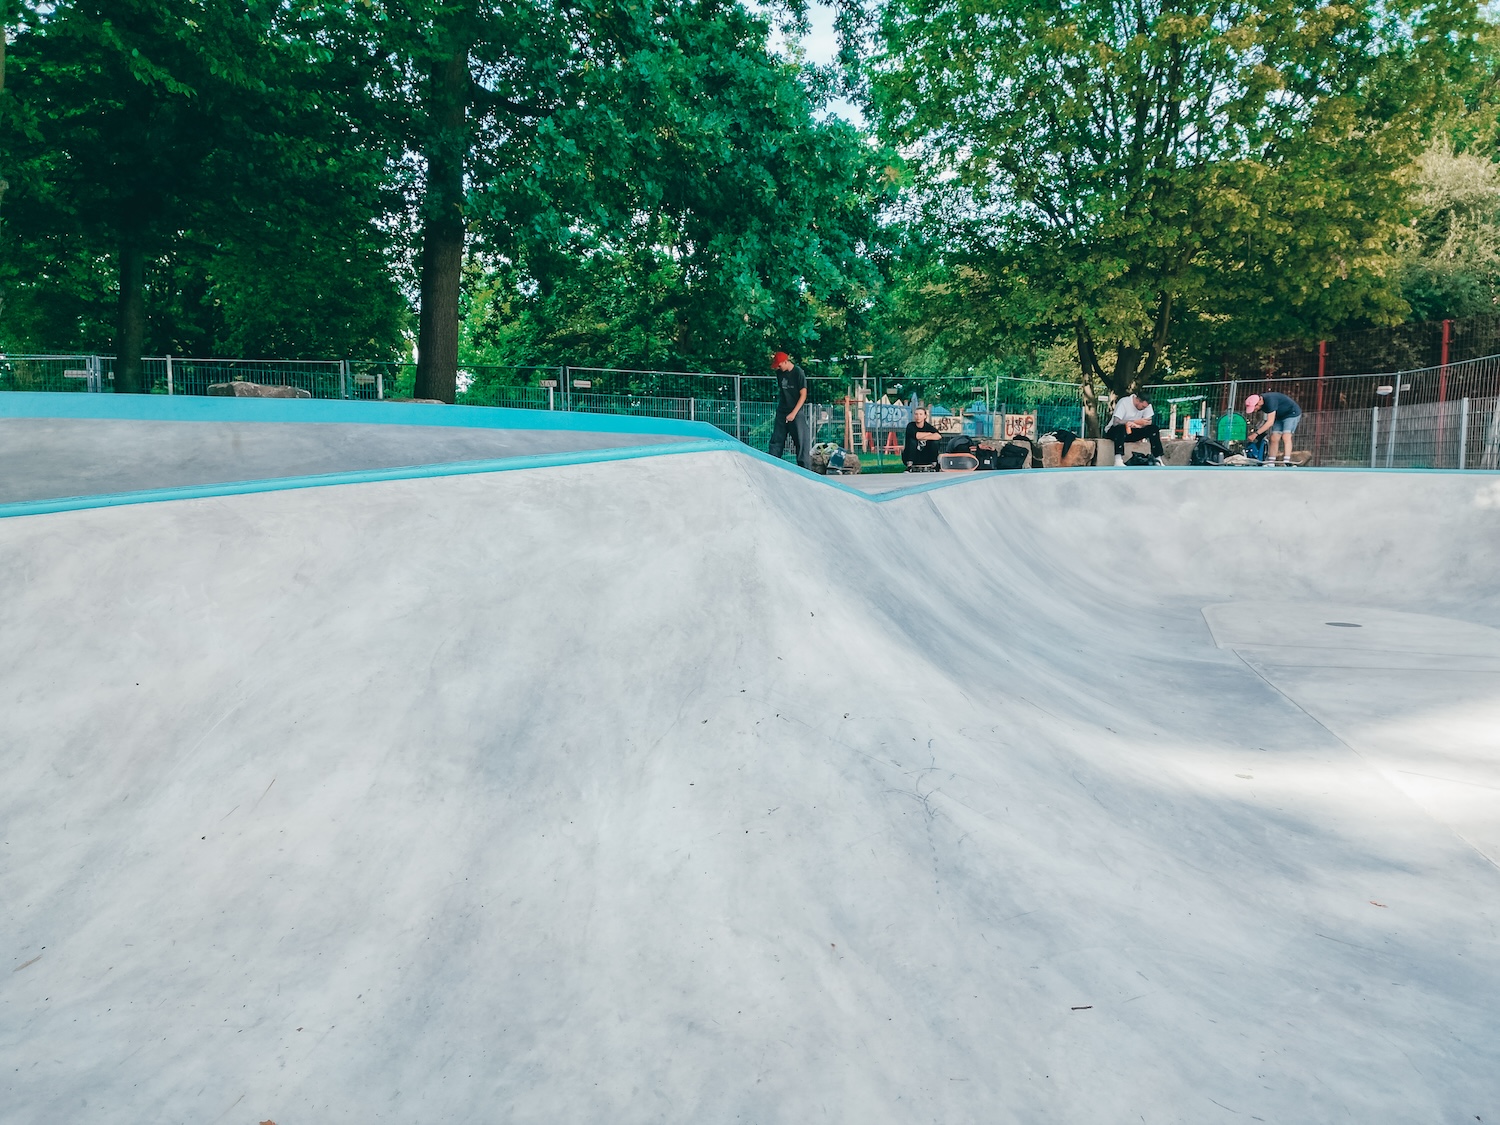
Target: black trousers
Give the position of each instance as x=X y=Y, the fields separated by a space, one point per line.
x=1149 y=433
x=799 y=429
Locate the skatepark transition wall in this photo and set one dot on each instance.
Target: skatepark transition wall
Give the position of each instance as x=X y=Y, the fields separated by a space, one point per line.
x=684 y=787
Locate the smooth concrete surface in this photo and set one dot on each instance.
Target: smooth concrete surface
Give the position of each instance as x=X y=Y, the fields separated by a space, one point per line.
x=688 y=789
x=46 y=458
x=875 y=483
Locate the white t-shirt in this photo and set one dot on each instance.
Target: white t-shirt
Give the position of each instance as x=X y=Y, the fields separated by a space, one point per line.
x=1126 y=411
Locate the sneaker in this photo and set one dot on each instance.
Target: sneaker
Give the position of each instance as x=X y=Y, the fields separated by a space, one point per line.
x=1119 y=460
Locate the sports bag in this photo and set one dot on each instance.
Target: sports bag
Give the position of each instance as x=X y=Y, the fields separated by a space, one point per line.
x=1206 y=451
x=1014 y=455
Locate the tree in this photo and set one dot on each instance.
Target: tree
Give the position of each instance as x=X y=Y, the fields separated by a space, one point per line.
x=712 y=213
x=465 y=88
x=205 y=169
x=1450 y=257
x=127 y=137
x=4 y=37
x=1111 y=168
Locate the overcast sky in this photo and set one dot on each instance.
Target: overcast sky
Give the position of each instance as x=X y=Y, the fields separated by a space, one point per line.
x=820 y=43
x=822 y=46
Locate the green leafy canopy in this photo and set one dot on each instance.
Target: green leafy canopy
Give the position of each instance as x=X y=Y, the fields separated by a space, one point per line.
x=1108 y=169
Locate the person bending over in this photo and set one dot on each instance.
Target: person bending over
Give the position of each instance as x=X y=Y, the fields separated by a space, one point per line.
x=793 y=418
x=922 y=440
x=1282 y=415
x=1134 y=421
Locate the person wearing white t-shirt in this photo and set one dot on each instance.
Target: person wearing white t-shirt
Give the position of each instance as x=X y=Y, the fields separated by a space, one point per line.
x=1134 y=420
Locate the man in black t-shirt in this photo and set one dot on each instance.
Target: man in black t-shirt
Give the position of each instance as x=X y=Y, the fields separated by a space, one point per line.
x=793 y=417
x=1282 y=416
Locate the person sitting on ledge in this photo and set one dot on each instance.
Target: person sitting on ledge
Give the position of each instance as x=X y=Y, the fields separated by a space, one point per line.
x=922 y=441
x=1133 y=421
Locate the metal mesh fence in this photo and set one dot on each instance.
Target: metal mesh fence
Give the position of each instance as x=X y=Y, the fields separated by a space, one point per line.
x=1428 y=418
x=1404 y=347
x=319 y=378
x=50 y=373
x=1443 y=416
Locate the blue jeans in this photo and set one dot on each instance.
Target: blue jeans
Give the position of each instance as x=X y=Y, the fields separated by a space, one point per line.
x=1286 y=425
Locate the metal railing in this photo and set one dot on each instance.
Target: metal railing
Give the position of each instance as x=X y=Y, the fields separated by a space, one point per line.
x=1437 y=417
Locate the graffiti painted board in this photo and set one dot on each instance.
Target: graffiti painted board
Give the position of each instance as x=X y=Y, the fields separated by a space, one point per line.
x=1018 y=424
x=886 y=416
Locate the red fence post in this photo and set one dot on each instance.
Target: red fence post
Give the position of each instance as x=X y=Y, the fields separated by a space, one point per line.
x=1443 y=363
x=1322 y=370
x=1322 y=422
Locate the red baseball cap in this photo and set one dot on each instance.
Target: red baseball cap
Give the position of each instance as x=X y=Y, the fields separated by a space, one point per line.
x=779 y=358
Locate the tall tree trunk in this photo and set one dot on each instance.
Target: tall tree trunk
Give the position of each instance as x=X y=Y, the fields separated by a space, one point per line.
x=443 y=229
x=130 y=338
x=1136 y=363
x=1088 y=371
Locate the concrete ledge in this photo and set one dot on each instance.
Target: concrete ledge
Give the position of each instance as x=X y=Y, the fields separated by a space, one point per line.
x=200 y=408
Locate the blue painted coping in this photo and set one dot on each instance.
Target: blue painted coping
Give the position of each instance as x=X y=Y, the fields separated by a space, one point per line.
x=196 y=408
x=201 y=408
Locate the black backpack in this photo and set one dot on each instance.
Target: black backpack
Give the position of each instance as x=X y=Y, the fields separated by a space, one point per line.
x=956 y=443
x=1014 y=455
x=1209 y=452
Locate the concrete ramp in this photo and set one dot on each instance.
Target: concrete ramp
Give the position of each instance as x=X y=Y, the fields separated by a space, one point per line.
x=688 y=789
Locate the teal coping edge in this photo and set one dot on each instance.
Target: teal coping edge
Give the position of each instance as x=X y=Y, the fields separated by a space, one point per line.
x=493 y=418
x=201 y=408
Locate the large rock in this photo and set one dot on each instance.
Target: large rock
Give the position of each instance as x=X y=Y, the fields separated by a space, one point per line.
x=241 y=389
x=1178 y=451
x=1083 y=451
x=1175 y=451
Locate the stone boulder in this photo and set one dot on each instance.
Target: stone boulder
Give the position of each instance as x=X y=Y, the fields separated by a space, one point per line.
x=241 y=389
x=1083 y=451
x=1178 y=451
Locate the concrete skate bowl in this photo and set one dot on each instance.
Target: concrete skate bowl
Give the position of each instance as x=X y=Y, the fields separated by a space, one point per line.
x=686 y=788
